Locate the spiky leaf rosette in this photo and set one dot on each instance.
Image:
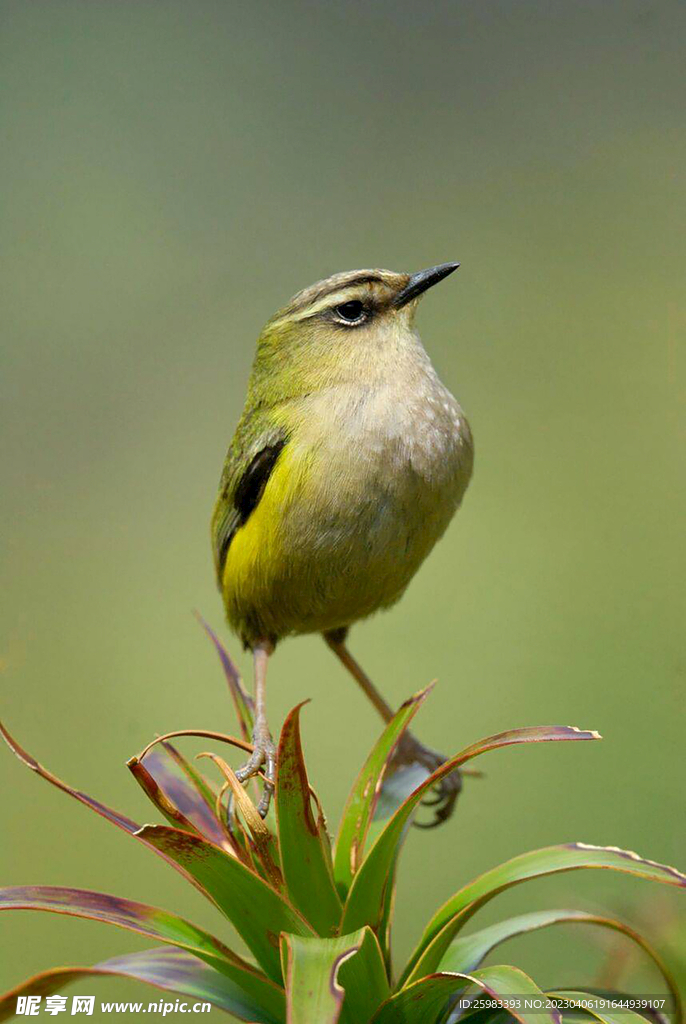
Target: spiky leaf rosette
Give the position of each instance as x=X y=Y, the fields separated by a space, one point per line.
x=315 y=915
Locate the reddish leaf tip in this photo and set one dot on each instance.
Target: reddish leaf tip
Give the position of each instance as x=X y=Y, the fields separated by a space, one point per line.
x=298 y=707
x=419 y=696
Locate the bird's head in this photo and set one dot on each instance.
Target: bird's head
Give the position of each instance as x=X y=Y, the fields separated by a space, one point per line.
x=347 y=326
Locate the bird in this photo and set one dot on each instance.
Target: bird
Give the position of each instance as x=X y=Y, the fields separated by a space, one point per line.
x=348 y=462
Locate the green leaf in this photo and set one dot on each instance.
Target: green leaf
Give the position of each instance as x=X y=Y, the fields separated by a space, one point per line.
x=493 y=1015
x=168 y=969
x=137 y=917
x=551 y=860
x=423 y=1001
x=324 y=975
x=365 y=902
x=397 y=785
x=468 y=951
x=364 y=796
x=255 y=909
x=303 y=842
x=364 y=979
x=606 y=1015
x=310 y=967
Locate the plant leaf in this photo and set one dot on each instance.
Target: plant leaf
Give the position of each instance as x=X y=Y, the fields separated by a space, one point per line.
x=255 y=909
x=396 y=786
x=241 y=700
x=364 y=979
x=189 y=792
x=102 y=809
x=120 y=820
x=205 y=791
x=259 y=841
x=168 y=969
x=137 y=917
x=303 y=842
x=423 y=1000
x=365 y=902
x=467 y=952
x=157 y=795
x=325 y=974
x=551 y=860
x=310 y=967
x=198 y=781
x=606 y=1015
x=364 y=795
x=395 y=789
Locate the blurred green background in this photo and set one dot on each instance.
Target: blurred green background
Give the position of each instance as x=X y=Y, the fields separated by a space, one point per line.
x=173 y=172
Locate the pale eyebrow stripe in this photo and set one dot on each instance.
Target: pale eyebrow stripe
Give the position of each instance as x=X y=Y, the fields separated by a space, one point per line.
x=336 y=296
x=354 y=281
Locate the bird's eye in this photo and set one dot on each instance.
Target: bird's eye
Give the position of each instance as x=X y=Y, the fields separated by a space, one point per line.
x=352 y=312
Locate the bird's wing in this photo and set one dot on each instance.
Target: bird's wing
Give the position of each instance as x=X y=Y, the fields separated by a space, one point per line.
x=246 y=472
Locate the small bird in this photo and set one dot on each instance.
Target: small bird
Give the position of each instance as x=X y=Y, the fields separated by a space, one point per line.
x=348 y=463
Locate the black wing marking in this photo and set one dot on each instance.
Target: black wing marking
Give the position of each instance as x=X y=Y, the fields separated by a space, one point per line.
x=245 y=499
x=253 y=482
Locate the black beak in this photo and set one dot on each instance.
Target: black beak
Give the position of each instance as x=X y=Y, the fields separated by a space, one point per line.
x=422 y=280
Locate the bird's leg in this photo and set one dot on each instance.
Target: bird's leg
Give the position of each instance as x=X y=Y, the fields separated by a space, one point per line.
x=264 y=751
x=336 y=641
x=409 y=749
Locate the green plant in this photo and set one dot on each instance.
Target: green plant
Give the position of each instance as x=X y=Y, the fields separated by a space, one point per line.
x=316 y=916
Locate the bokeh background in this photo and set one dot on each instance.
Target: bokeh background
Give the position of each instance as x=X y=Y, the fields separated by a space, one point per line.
x=173 y=172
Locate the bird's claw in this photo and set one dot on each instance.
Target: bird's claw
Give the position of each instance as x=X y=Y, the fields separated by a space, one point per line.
x=263 y=758
x=445 y=793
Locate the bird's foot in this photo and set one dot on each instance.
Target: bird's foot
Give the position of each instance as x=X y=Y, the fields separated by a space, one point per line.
x=445 y=793
x=263 y=757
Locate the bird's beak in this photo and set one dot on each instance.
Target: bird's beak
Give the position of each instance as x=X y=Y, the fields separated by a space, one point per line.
x=422 y=280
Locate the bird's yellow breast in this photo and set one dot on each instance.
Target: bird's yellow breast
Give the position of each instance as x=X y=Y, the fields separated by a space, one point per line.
x=258 y=553
x=358 y=497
